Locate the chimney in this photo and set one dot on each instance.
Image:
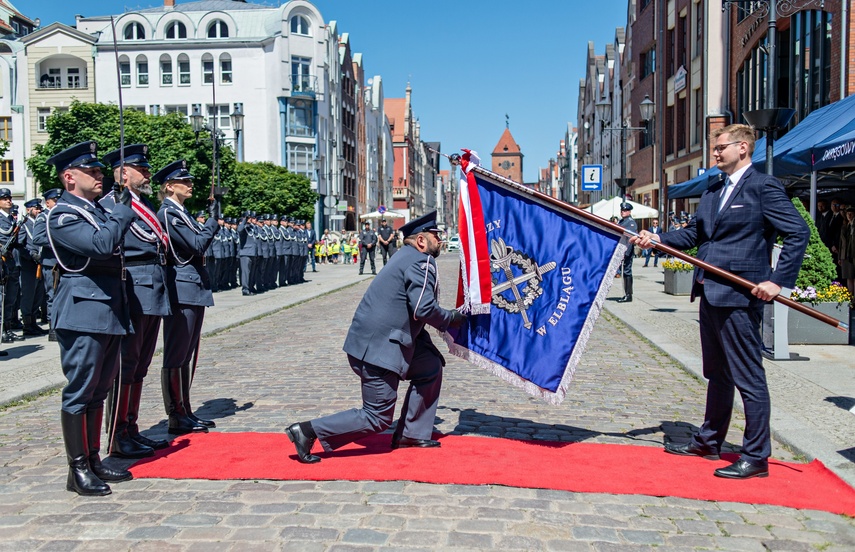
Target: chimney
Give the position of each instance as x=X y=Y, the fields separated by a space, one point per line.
x=169 y=3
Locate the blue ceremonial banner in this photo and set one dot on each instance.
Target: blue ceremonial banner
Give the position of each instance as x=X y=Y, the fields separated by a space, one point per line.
x=550 y=272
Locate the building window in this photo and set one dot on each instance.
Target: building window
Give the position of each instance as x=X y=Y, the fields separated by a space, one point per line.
x=183 y=70
x=134 y=31
x=221 y=112
x=142 y=71
x=207 y=69
x=7 y=171
x=300 y=78
x=42 y=115
x=684 y=41
x=299 y=25
x=699 y=117
x=300 y=119
x=181 y=109
x=176 y=29
x=699 y=28
x=225 y=69
x=165 y=70
x=218 y=29
x=648 y=62
x=125 y=70
x=6 y=128
x=681 y=124
x=72 y=77
x=300 y=159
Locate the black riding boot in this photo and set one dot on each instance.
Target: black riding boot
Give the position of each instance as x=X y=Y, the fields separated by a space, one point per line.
x=123 y=445
x=134 y=396
x=31 y=328
x=81 y=480
x=93 y=435
x=179 y=422
x=186 y=380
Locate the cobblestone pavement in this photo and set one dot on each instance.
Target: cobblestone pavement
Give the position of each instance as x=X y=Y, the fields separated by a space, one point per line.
x=288 y=366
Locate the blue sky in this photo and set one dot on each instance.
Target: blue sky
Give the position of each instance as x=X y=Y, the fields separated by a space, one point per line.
x=469 y=63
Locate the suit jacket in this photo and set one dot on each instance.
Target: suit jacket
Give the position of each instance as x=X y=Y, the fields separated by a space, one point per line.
x=90 y=297
x=186 y=276
x=740 y=238
x=393 y=313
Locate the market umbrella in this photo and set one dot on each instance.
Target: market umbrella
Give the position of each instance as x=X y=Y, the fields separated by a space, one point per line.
x=611 y=208
x=378 y=214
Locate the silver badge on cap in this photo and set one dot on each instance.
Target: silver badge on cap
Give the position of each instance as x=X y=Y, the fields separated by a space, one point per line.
x=93 y=146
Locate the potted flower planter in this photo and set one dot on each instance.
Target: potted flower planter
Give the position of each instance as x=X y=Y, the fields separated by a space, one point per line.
x=678 y=282
x=805 y=330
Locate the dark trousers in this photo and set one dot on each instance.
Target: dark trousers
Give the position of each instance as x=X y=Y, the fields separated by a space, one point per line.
x=731 y=345
x=90 y=363
x=32 y=289
x=379 y=395
x=246 y=265
x=11 y=297
x=181 y=333
x=387 y=251
x=367 y=253
x=47 y=280
x=138 y=348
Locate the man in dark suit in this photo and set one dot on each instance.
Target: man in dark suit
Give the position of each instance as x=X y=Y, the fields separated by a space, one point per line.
x=735 y=228
x=387 y=342
x=654 y=229
x=90 y=310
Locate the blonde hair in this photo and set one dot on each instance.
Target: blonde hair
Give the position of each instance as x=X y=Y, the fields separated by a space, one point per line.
x=738 y=133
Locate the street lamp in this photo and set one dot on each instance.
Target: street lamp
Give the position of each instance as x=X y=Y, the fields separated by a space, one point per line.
x=647 y=108
x=217 y=137
x=237 y=117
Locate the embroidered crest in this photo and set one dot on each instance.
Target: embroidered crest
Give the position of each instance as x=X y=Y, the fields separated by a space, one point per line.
x=93 y=146
x=145 y=149
x=502 y=259
x=183 y=163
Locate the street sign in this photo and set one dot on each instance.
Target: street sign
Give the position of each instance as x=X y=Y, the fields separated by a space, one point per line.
x=329 y=201
x=592 y=178
x=337 y=217
x=342 y=206
x=381 y=209
x=329 y=210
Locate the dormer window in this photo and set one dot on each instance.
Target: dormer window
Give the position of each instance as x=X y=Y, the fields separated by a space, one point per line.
x=134 y=31
x=299 y=25
x=175 y=30
x=218 y=29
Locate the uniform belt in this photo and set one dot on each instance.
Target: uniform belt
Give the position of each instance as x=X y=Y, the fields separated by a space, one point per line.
x=116 y=272
x=156 y=260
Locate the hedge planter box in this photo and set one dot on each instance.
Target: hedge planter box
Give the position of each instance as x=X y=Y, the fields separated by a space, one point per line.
x=805 y=330
x=678 y=283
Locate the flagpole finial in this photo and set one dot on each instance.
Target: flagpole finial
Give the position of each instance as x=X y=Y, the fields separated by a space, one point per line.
x=454 y=159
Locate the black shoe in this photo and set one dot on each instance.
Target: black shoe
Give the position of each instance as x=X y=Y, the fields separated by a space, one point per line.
x=303 y=445
x=125 y=447
x=3 y=353
x=151 y=443
x=373 y=273
x=9 y=337
x=406 y=442
x=625 y=299
x=743 y=469
x=360 y=273
x=33 y=331
x=689 y=449
x=200 y=421
x=106 y=473
x=182 y=425
x=247 y=293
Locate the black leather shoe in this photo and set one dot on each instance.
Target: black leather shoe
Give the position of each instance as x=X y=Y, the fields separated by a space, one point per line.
x=689 y=449
x=625 y=299
x=151 y=443
x=3 y=353
x=406 y=442
x=743 y=469
x=247 y=293
x=303 y=445
x=200 y=421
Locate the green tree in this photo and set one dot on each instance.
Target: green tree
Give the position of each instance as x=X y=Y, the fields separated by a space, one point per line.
x=169 y=138
x=818 y=268
x=268 y=188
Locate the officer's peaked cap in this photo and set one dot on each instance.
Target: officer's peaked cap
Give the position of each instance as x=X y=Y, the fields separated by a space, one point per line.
x=53 y=193
x=135 y=154
x=177 y=170
x=83 y=155
x=626 y=206
x=426 y=223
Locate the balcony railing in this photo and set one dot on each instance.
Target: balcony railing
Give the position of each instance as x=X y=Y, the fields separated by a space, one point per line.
x=304 y=85
x=58 y=85
x=300 y=130
x=399 y=193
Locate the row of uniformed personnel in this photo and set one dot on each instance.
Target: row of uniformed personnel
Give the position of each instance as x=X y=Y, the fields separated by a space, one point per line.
x=120 y=269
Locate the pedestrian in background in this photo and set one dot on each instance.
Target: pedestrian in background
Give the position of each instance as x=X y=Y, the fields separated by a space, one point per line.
x=627 y=223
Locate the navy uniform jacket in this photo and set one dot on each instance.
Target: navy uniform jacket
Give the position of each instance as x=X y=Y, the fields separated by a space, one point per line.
x=218 y=246
x=394 y=311
x=7 y=227
x=290 y=241
x=279 y=234
x=302 y=240
x=187 y=277
x=85 y=236
x=629 y=223
x=368 y=237
x=248 y=243
x=29 y=250
x=144 y=258
x=40 y=240
x=740 y=238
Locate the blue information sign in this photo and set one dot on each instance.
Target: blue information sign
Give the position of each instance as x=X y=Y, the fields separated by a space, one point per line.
x=592 y=178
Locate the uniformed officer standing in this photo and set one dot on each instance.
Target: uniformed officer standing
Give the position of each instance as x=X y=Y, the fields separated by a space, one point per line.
x=628 y=223
x=32 y=286
x=9 y=238
x=368 y=243
x=90 y=309
x=291 y=251
x=388 y=240
x=218 y=248
x=46 y=253
x=233 y=247
x=145 y=247
x=189 y=293
x=279 y=252
x=302 y=251
x=247 y=252
x=311 y=240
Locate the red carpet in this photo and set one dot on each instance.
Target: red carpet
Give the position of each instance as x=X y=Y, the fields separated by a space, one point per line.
x=464 y=460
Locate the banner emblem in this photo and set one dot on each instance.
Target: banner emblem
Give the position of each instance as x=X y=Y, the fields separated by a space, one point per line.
x=502 y=258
